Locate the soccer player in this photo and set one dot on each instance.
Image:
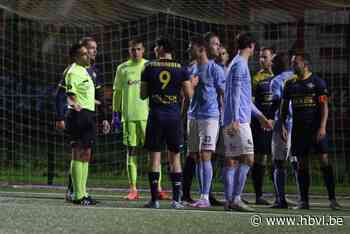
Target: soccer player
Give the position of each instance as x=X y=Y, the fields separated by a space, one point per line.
x=224 y=58
x=190 y=162
x=213 y=43
x=223 y=61
x=61 y=110
x=280 y=148
x=162 y=82
x=61 y=103
x=238 y=108
x=261 y=137
x=308 y=96
x=80 y=121
x=265 y=60
x=203 y=116
x=91 y=46
x=133 y=110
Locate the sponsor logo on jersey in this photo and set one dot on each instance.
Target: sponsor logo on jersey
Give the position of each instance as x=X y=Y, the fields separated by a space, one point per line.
x=133 y=82
x=310 y=85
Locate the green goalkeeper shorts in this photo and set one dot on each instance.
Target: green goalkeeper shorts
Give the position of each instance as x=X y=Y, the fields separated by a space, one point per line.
x=134 y=133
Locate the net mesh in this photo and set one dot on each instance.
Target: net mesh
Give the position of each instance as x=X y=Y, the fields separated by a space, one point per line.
x=35 y=36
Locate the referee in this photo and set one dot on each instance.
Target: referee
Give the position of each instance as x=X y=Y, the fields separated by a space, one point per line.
x=80 y=121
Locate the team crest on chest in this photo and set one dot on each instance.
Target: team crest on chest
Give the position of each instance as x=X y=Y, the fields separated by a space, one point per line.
x=310 y=85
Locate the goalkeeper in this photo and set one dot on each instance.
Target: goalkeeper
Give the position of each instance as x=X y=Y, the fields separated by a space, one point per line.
x=133 y=111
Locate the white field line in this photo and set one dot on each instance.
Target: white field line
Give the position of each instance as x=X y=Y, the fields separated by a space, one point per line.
x=169 y=210
x=58 y=195
x=158 y=210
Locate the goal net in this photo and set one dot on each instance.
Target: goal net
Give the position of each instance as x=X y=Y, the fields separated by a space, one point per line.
x=35 y=36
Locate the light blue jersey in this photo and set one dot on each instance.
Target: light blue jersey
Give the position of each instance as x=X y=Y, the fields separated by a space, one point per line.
x=221 y=108
x=277 y=86
x=238 y=104
x=192 y=69
x=204 y=103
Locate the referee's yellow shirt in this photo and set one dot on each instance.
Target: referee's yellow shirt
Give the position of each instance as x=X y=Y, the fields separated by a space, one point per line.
x=80 y=84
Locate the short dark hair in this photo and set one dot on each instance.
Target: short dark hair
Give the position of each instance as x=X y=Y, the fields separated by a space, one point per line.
x=244 y=40
x=305 y=56
x=280 y=62
x=135 y=41
x=166 y=43
x=85 y=40
x=271 y=49
x=74 y=50
x=199 y=41
x=209 y=35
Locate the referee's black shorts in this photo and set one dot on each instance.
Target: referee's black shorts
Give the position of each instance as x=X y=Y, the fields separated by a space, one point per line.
x=81 y=128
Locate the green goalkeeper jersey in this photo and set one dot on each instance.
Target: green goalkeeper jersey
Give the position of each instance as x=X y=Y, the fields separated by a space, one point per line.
x=126 y=91
x=79 y=83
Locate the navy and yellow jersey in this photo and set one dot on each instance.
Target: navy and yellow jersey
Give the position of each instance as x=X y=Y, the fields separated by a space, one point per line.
x=260 y=76
x=61 y=98
x=263 y=101
x=263 y=95
x=164 y=81
x=305 y=97
x=99 y=92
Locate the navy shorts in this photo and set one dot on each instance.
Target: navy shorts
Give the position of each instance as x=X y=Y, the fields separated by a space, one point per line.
x=81 y=128
x=262 y=139
x=303 y=140
x=164 y=130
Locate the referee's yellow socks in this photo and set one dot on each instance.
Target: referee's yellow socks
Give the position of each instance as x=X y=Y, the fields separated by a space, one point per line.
x=76 y=168
x=85 y=173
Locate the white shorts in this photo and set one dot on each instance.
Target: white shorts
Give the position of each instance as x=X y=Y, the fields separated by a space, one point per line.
x=239 y=144
x=202 y=134
x=280 y=150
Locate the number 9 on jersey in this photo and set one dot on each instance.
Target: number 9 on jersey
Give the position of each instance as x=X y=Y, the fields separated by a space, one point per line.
x=164 y=78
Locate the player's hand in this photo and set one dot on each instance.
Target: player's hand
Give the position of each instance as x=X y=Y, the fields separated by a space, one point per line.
x=321 y=133
x=284 y=134
x=77 y=107
x=106 y=128
x=60 y=125
x=266 y=124
x=194 y=81
x=233 y=128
